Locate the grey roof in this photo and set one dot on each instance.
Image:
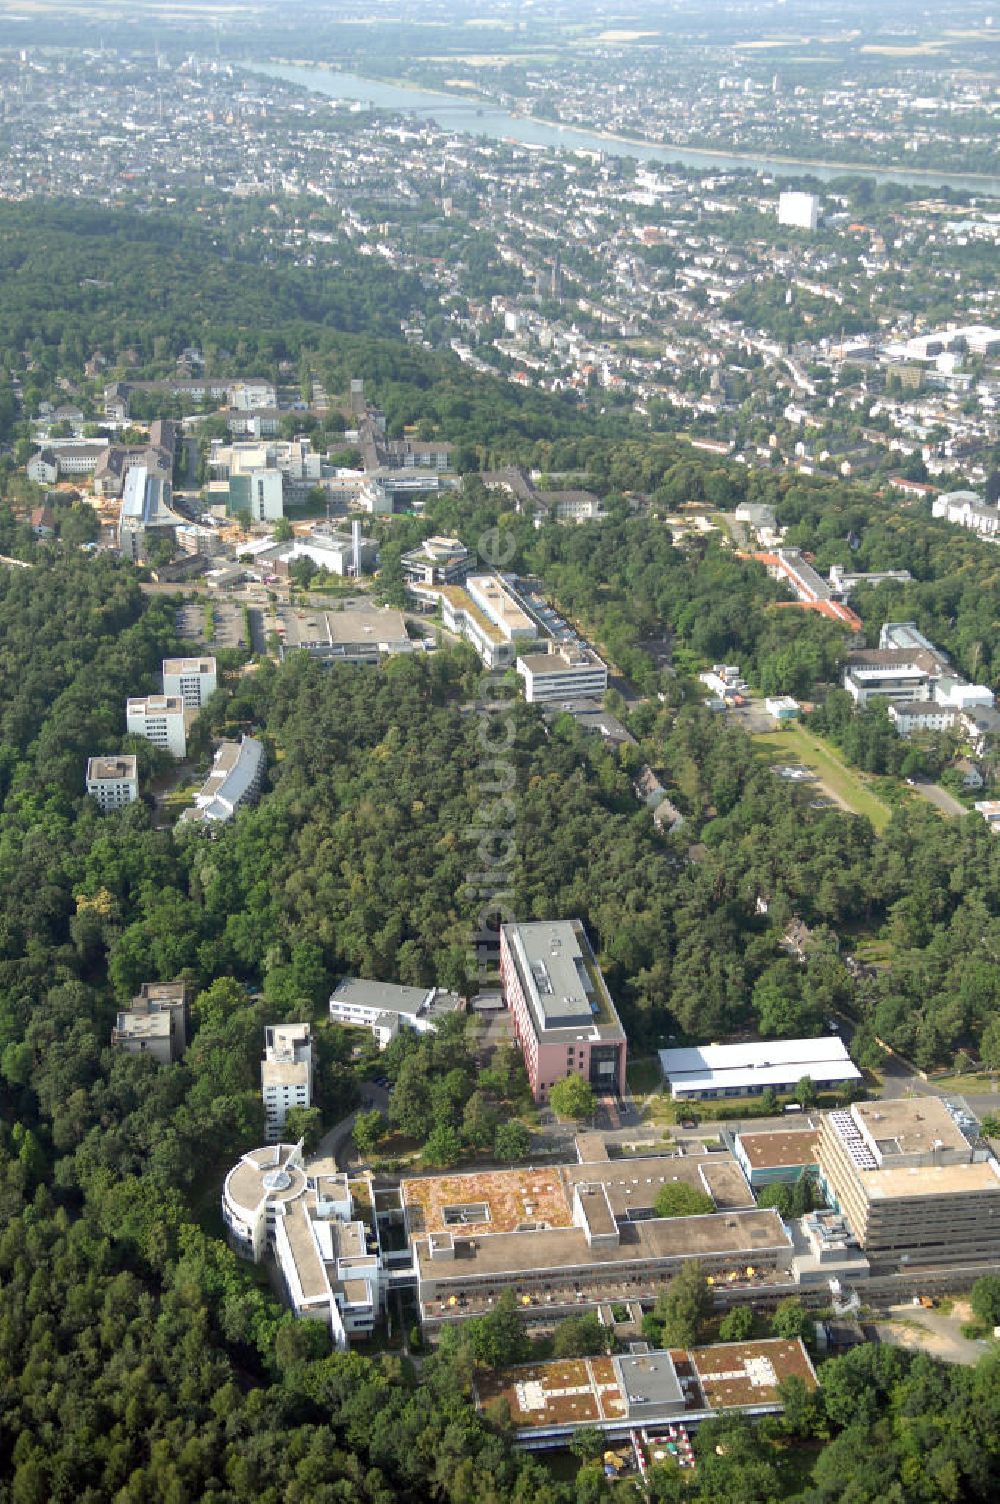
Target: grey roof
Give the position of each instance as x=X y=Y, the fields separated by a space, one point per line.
x=559 y=973
x=343 y=628
x=388 y=997
x=234 y=777
x=649 y=1380
x=921 y=707
x=236 y=766
x=145 y=499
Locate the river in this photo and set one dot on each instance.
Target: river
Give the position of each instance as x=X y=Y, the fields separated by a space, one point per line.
x=483 y=119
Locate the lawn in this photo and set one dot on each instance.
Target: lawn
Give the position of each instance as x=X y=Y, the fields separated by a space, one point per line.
x=795 y=744
x=975 y=1083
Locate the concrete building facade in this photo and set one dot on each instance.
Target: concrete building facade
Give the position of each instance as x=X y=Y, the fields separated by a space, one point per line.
x=564 y=673
x=286 y=1074
x=113 y=781
x=155 y=1022
x=195 y=680
x=914 y=1180
x=159 y=719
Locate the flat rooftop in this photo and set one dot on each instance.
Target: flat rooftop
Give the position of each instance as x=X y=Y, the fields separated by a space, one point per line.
x=172 y=993
x=265 y=1172
x=309 y=1263
x=102 y=768
x=561 y=661
x=737 y=1374
x=932 y=1180
x=142 y=1025
x=317 y=628
x=780 y=1150
x=589 y=1391
x=189 y=665
x=649 y=1379
x=156 y=704
x=502 y=1201
x=460 y=600
x=568 y=1391
x=492 y=1201
x=909 y=1126
x=561 y=980
x=633 y=1184
x=739 y=1234
x=502 y=605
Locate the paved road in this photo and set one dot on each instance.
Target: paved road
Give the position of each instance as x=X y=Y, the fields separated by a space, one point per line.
x=336 y=1142
x=936 y=795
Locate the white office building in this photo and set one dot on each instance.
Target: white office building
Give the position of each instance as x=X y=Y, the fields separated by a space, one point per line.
x=159 y=719
x=437 y=561
x=487 y=614
x=305 y=1217
x=564 y=673
x=909 y=716
x=263 y=494
x=386 y=1007
x=236 y=779
x=195 y=680
x=113 y=781
x=286 y=1074
x=799 y=211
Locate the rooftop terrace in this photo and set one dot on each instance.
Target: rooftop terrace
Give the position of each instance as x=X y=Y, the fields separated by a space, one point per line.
x=592 y=1391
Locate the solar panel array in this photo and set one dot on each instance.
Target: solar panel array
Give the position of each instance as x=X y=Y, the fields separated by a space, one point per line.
x=854 y=1142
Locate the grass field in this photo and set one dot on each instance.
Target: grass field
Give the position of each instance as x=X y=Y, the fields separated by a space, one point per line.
x=846 y=785
x=977 y=1084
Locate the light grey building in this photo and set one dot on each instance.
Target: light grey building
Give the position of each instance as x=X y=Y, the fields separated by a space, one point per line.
x=236 y=779
x=113 y=781
x=386 y=1007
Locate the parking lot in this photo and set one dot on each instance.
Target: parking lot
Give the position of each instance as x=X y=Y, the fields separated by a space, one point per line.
x=227 y=618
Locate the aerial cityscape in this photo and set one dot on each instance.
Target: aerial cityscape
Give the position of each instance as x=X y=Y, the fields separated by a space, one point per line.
x=499 y=753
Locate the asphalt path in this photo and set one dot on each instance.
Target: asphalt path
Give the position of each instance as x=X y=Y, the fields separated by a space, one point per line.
x=936 y=795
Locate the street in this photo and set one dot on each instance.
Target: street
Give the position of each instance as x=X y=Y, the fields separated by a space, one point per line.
x=936 y=795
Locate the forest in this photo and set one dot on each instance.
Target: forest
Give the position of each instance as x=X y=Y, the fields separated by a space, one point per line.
x=139 y=1359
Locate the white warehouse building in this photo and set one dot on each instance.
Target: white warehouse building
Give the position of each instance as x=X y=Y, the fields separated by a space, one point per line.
x=747 y=1070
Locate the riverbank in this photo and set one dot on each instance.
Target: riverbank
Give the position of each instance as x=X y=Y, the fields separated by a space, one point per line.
x=579 y=138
